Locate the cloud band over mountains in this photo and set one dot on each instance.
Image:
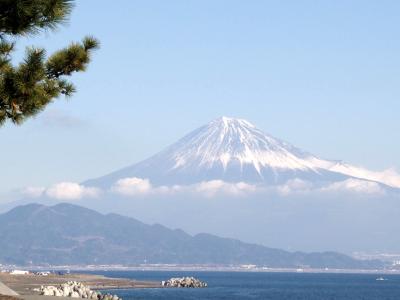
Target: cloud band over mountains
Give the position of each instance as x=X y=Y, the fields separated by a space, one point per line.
x=132 y=187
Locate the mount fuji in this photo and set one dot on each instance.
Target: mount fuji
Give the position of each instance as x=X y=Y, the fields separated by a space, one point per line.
x=234 y=150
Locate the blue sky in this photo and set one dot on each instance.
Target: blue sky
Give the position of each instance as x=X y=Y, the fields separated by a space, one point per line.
x=323 y=75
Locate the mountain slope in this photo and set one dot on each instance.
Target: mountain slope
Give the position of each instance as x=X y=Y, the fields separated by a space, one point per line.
x=70 y=234
x=234 y=150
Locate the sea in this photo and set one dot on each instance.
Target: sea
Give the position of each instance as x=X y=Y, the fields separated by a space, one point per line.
x=262 y=285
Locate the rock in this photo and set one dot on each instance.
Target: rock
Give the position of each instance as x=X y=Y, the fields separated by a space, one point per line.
x=74 y=289
x=47 y=293
x=188 y=282
x=74 y=295
x=66 y=291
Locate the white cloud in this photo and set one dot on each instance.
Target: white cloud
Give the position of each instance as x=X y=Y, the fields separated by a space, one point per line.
x=294 y=186
x=352 y=185
x=135 y=186
x=390 y=177
x=33 y=191
x=138 y=186
x=71 y=191
x=355 y=185
x=215 y=187
x=61 y=118
x=132 y=186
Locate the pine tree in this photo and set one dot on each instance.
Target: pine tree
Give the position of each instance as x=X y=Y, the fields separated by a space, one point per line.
x=27 y=88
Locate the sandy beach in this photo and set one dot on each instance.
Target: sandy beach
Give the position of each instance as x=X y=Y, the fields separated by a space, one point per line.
x=6 y=292
x=22 y=286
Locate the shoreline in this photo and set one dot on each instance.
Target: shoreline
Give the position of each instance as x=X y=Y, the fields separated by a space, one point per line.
x=24 y=285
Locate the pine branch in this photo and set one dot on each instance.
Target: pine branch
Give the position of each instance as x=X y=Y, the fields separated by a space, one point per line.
x=26 y=89
x=21 y=17
x=74 y=58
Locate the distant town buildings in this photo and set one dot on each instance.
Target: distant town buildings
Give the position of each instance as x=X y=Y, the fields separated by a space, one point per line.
x=19 y=272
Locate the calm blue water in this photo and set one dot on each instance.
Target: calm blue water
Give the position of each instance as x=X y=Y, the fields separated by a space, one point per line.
x=274 y=286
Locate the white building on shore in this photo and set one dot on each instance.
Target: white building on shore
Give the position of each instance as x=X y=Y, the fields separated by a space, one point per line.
x=19 y=272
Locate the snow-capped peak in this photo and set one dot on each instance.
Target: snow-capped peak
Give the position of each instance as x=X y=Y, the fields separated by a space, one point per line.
x=227 y=141
x=232 y=122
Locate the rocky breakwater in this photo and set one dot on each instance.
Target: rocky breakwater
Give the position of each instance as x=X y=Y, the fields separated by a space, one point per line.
x=184 y=282
x=74 y=289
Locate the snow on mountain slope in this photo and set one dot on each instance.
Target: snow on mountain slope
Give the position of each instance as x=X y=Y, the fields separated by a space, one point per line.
x=226 y=141
x=234 y=150
x=388 y=177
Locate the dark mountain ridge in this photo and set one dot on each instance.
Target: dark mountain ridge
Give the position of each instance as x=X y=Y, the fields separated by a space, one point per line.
x=66 y=234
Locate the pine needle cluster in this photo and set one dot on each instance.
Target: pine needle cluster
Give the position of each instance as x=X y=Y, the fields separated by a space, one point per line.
x=27 y=88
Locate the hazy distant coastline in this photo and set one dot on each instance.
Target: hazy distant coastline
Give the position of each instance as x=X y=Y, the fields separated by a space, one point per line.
x=196 y=268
